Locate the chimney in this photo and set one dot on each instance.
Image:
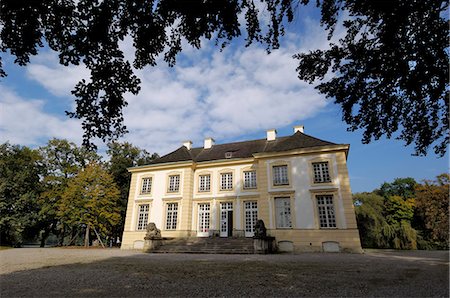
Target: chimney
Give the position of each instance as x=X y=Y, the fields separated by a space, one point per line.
x=271 y=134
x=209 y=142
x=299 y=128
x=187 y=144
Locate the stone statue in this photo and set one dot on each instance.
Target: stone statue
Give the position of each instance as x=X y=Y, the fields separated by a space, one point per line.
x=152 y=232
x=260 y=229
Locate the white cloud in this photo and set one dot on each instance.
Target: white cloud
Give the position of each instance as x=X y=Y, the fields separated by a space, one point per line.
x=25 y=122
x=231 y=94
x=56 y=78
x=208 y=93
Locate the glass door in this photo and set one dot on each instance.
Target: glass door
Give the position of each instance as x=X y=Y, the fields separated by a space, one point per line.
x=251 y=216
x=203 y=220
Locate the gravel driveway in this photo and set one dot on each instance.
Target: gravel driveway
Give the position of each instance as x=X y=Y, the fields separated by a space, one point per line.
x=115 y=273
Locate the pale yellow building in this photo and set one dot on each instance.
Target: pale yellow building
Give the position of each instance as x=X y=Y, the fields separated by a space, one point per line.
x=298 y=185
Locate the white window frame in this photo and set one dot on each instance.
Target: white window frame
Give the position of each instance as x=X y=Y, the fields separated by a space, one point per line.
x=226 y=181
x=326 y=211
x=174 y=183
x=146 y=185
x=171 y=216
x=204 y=183
x=250 y=181
x=280 y=177
x=142 y=217
x=321 y=172
x=283 y=214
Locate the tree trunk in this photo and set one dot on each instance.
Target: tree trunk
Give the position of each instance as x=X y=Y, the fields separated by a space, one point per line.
x=44 y=236
x=61 y=235
x=86 y=237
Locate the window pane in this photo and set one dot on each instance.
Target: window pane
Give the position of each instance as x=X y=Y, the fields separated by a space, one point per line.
x=250 y=179
x=321 y=172
x=174 y=183
x=226 y=181
x=204 y=183
x=283 y=212
x=327 y=218
x=171 y=216
x=280 y=175
x=143 y=217
x=146 y=185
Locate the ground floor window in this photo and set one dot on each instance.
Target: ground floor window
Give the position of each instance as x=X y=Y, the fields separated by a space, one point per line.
x=143 y=217
x=327 y=217
x=171 y=216
x=251 y=216
x=283 y=212
x=203 y=220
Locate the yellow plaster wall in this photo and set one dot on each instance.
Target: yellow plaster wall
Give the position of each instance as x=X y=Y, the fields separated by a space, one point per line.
x=311 y=240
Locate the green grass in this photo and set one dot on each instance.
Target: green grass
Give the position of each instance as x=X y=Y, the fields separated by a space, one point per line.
x=5 y=247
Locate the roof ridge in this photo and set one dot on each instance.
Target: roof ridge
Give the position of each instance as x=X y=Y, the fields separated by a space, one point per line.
x=283 y=137
x=315 y=138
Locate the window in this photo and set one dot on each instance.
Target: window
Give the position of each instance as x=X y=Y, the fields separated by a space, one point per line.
x=143 y=217
x=249 y=179
x=226 y=181
x=280 y=175
x=325 y=207
x=204 y=183
x=146 y=186
x=171 y=216
x=174 y=183
x=321 y=172
x=283 y=212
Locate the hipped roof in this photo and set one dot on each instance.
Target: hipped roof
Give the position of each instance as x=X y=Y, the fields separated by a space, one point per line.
x=244 y=149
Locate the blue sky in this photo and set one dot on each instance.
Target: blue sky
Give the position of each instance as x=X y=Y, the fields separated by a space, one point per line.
x=230 y=96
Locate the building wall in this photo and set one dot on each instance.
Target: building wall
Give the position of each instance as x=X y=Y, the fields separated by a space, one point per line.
x=305 y=234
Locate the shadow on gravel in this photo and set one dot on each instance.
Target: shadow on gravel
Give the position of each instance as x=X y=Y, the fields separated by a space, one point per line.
x=371 y=274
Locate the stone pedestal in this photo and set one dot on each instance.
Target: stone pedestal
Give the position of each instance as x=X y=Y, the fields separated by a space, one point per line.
x=263 y=245
x=151 y=244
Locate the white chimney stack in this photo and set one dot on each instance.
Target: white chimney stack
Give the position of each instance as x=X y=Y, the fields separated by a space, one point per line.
x=209 y=142
x=271 y=134
x=299 y=128
x=187 y=144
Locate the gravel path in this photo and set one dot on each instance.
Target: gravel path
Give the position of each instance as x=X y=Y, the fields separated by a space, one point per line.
x=56 y=272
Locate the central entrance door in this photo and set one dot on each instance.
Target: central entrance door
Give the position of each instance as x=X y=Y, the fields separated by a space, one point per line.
x=203 y=220
x=251 y=216
x=226 y=219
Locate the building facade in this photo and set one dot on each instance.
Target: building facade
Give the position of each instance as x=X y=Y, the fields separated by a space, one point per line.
x=298 y=185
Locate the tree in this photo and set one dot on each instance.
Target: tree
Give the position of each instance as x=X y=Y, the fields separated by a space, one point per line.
x=433 y=207
x=402 y=187
x=389 y=71
x=369 y=216
x=91 y=199
x=61 y=160
x=123 y=156
x=19 y=189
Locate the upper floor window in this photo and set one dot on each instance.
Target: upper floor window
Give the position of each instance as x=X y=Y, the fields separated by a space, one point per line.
x=321 y=172
x=143 y=216
x=249 y=179
x=204 y=183
x=226 y=181
x=146 y=185
x=283 y=212
x=325 y=206
x=280 y=175
x=171 y=216
x=174 y=183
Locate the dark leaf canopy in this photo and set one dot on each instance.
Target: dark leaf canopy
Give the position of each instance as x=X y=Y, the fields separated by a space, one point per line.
x=390 y=71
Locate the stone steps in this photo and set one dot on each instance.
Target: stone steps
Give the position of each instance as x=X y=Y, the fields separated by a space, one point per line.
x=207 y=246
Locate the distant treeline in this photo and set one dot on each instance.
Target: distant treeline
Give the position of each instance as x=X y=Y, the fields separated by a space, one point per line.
x=405 y=214
x=64 y=191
